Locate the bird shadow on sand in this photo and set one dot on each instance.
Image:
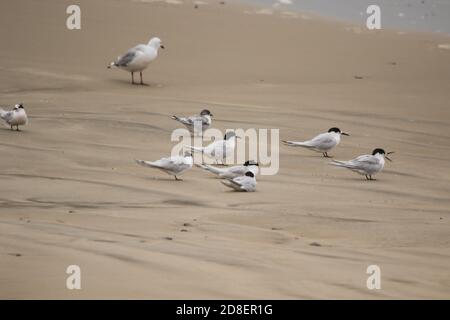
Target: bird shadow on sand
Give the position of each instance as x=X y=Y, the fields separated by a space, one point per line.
x=168 y=179
x=136 y=84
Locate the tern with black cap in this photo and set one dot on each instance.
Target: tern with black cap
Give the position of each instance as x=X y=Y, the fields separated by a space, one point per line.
x=196 y=124
x=322 y=143
x=245 y=183
x=366 y=165
x=15 y=117
x=234 y=171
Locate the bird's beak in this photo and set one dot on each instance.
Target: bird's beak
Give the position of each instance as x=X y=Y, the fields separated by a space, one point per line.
x=345 y=134
x=162 y=47
x=388 y=157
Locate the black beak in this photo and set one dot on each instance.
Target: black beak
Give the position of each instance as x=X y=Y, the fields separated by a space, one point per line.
x=345 y=134
x=388 y=157
x=162 y=47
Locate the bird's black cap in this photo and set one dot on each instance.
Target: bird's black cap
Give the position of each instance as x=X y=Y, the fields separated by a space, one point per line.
x=334 y=129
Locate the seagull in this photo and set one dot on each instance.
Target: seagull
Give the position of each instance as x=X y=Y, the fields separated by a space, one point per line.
x=173 y=166
x=138 y=58
x=219 y=149
x=16 y=117
x=366 y=165
x=193 y=123
x=323 y=143
x=246 y=183
x=232 y=172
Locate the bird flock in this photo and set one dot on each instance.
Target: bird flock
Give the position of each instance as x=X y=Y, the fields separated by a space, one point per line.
x=239 y=177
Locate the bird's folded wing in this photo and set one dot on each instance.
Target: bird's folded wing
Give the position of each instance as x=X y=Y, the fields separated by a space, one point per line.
x=7 y=115
x=126 y=59
x=322 y=140
x=366 y=160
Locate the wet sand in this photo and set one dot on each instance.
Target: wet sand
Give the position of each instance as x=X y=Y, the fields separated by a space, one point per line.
x=72 y=194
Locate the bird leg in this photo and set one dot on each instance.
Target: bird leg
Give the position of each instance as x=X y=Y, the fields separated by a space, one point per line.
x=12 y=127
x=17 y=127
x=325 y=154
x=142 y=82
x=132 y=77
x=178 y=179
x=367 y=178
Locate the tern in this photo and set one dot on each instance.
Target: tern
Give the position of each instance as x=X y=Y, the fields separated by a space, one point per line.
x=219 y=149
x=366 y=165
x=322 y=143
x=173 y=166
x=16 y=117
x=246 y=183
x=194 y=123
x=232 y=172
x=138 y=58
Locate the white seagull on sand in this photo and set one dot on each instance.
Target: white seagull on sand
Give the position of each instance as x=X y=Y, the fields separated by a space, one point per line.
x=246 y=183
x=173 y=166
x=16 y=117
x=138 y=58
x=322 y=143
x=232 y=172
x=366 y=165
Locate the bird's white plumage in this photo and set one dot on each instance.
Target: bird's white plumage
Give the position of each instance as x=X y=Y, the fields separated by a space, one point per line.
x=219 y=150
x=174 y=166
x=230 y=172
x=323 y=142
x=191 y=123
x=367 y=164
x=139 y=57
x=16 y=117
x=242 y=183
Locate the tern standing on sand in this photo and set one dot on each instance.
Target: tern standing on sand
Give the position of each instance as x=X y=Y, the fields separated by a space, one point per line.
x=194 y=123
x=366 y=165
x=322 y=143
x=173 y=166
x=219 y=149
x=138 y=58
x=16 y=117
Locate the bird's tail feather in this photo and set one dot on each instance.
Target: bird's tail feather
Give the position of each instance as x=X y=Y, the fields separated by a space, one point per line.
x=209 y=168
x=338 y=163
x=147 y=164
x=111 y=65
x=296 y=144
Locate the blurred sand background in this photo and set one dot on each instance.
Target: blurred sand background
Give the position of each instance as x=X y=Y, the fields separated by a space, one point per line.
x=70 y=192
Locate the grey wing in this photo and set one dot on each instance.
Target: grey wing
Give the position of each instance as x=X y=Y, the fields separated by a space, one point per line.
x=237 y=170
x=175 y=164
x=126 y=59
x=322 y=141
x=8 y=116
x=365 y=162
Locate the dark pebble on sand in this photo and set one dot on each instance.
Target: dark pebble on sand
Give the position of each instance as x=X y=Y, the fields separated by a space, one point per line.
x=358 y=77
x=315 y=244
x=168 y=238
x=183 y=230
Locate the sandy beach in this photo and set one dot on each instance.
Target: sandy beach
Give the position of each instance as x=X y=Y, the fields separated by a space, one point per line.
x=71 y=193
